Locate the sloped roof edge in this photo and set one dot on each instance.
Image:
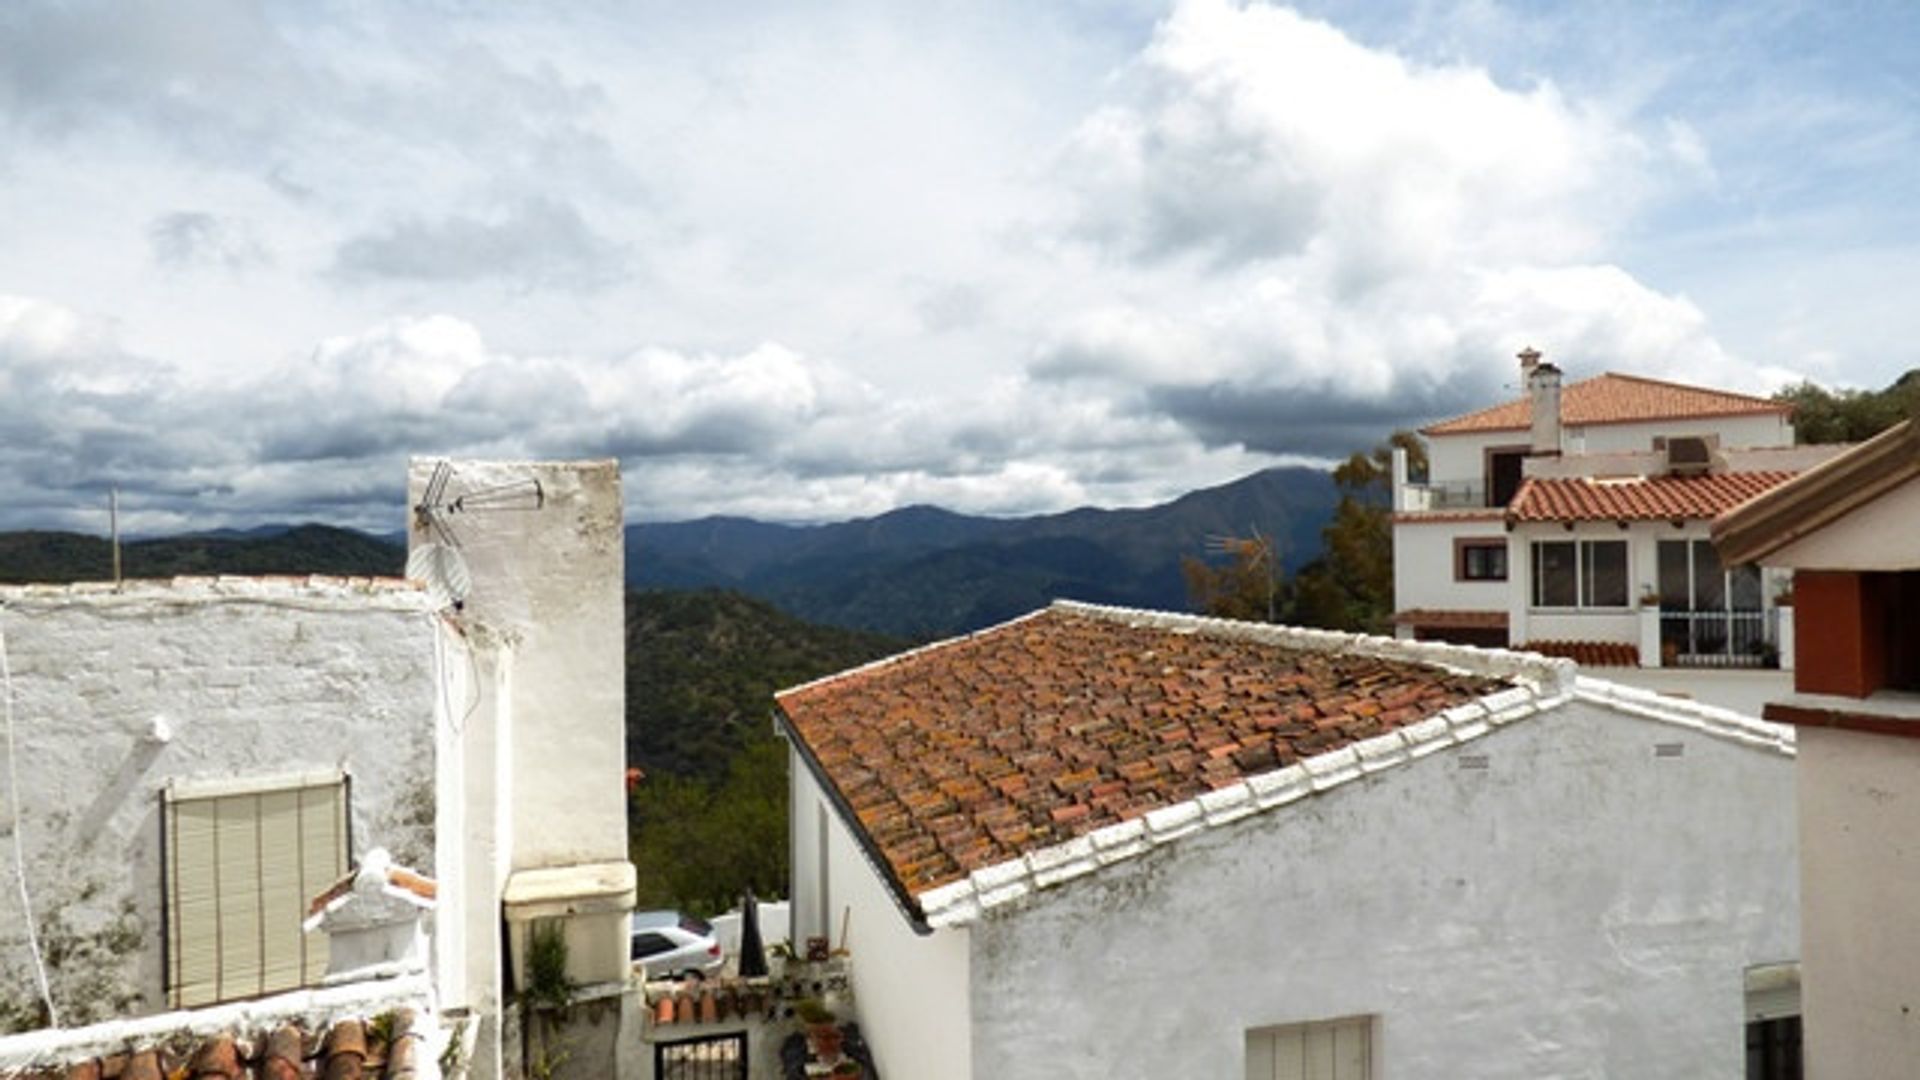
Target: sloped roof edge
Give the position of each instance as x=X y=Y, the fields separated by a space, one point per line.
x=1820 y=496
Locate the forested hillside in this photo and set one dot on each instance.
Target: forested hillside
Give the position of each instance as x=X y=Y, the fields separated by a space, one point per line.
x=27 y=557
x=710 y=815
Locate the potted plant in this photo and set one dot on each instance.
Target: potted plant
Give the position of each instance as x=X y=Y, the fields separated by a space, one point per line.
x=1649 y=597
x=823 y=1032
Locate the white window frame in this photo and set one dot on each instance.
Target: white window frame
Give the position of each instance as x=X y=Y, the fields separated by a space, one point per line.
x=1581 y=586
x=242 y=859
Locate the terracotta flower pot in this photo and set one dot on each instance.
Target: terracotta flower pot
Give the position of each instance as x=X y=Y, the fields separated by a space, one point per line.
x=826 y=1040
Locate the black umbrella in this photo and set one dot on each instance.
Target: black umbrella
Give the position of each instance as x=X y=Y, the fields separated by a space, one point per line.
x=753 y=954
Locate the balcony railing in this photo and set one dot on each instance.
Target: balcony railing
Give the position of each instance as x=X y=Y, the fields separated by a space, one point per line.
x=1447 y=495
x=1719 y=639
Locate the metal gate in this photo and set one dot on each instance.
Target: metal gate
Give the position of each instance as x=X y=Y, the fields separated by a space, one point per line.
x=713 y=1057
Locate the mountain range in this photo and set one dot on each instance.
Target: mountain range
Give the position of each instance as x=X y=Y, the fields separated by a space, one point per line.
x=917 y=572
x=920 y=571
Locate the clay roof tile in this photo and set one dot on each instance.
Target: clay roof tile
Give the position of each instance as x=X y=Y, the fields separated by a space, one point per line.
x=1613 y=398
x=948 y=774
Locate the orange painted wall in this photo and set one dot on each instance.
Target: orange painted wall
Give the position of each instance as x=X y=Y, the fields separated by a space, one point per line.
x=1836 y=623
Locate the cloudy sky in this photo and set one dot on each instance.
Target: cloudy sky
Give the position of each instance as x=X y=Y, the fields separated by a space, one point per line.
x=807 y=261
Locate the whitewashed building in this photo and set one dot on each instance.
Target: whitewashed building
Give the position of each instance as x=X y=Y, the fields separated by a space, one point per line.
x=1849 y=532
x=1095 y=842
x=1575 y=521
x=191 y=762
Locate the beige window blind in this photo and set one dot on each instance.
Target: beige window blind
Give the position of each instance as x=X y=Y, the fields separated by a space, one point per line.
x=242 y=864
x=1329 y=1050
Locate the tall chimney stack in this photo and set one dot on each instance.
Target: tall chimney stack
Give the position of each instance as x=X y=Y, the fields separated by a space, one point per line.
x=1543 y=387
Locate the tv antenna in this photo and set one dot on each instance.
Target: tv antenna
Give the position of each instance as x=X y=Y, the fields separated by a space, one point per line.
x=437 y=561
x=1255 y=552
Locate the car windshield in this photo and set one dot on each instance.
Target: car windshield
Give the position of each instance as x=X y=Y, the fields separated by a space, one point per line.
x=694 y=925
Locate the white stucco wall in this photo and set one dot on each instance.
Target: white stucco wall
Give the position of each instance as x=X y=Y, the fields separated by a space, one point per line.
x=910 y=990
x=1579 y=907
x=1456 y=458
x=1860 y=875
x=1734 y=431
x=551 y=579
x=1423 y=567
x=1453 y=459
x=256 y=678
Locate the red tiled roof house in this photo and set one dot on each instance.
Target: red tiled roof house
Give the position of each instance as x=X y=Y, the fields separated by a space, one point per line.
x=1095 y=842
x=1849 y=532
x=1575 y=521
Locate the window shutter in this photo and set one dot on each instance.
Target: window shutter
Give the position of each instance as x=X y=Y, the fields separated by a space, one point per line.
x=1331 y=1050
x=324 y=855
x=195 y=922
x=242 y=865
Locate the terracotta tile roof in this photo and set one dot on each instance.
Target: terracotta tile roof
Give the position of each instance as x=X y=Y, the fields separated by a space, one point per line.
x=382 y=1048
x=1451 y=620
x=978 y=751
x=1652 y=498
x=1612 y=398
x=1590 y=653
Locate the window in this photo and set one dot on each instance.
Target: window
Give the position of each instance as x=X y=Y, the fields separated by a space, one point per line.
x=1773 y=1022
x=242 y=862
x=1580 y=573
x=1328 y=1050
x=1692 y=579
x=645 y=945
x=1477 y=559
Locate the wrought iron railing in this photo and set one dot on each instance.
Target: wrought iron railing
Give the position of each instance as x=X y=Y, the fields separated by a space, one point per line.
x=1719 y=639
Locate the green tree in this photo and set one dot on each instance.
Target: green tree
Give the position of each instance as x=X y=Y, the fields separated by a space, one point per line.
x=709 y=819
x=1350 y=586
x=1835 y=416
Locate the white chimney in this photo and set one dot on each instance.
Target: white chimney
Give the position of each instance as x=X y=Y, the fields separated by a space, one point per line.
x=1543 y=386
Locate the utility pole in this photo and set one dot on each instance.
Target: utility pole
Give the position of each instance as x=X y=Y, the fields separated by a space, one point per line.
x=113 y=526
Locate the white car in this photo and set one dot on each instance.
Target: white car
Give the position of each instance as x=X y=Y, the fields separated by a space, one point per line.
x=668 y=944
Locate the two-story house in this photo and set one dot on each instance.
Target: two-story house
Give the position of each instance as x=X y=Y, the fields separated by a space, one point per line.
x=1574 y=521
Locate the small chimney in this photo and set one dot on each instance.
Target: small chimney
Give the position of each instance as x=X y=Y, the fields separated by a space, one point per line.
x=1543 y=386
x=1529 y=359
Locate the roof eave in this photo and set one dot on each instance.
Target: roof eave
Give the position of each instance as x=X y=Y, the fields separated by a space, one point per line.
x=897 y=889
x=1816 y=498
